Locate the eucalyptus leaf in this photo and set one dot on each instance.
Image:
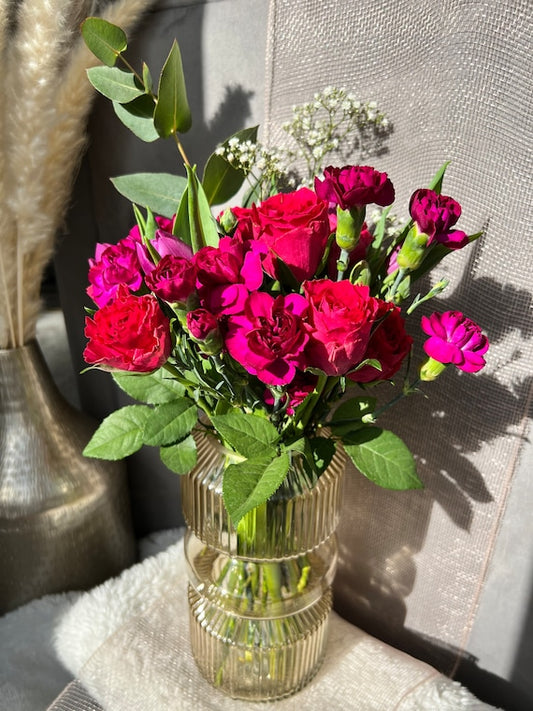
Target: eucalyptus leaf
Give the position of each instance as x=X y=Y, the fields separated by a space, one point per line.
x=250 y=483
x=170 y=422
x=181 y=457
x=115 y=84
x=154 y=388
x=137 y=115
x=105 y=40
x=172 y=113
x=161 y=192
x=383 y=458
x=120 y=434
x=249 y=435
x=220 y=179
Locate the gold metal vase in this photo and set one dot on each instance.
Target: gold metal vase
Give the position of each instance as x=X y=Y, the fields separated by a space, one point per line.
x=64 y=519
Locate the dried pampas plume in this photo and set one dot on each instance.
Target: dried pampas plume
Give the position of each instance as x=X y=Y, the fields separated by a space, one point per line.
x=42 y=133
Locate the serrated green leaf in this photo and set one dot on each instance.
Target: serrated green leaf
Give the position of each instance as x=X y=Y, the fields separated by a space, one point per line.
x=105 y=40
x=220 y=179
x=170 y=422
x=115 y=84
x=202 y=227
x=181 y=457
x=383 y=458
x=172 y=113
x=249 y=435
x=120 y=434
x=137 y=115
x=323 y=451
x=153 y=388
x=161 y=192
x=250 y=483
x=348 y=416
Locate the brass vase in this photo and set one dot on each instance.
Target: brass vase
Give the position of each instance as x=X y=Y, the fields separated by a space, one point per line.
x=65 y=521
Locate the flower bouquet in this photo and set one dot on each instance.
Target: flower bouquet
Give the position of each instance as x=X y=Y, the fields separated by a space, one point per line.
x=256 y=338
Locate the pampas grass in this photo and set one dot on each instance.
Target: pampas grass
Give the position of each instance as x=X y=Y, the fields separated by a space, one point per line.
x=42 y=134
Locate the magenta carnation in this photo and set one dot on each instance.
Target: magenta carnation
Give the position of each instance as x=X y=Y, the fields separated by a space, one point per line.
x=435 y=215
x=268 y=339
x=113 y=264
x=455 y=339
x=355 y=186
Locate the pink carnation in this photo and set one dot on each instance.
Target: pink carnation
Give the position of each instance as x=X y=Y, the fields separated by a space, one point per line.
x=268 y=339
x=113 y=265
x=172 y=279
x=455 y=339
x=435 y=216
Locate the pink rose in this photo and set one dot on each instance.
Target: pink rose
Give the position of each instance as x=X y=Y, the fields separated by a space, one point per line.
x=354 y=186
x=130 y=333
x=389 y=344
x=340 y=319
x=268 y=339
x=435 y=215
x=172 y=279
x=114 y=264
x=226 y=274
x=293 y=226
x=456 y=339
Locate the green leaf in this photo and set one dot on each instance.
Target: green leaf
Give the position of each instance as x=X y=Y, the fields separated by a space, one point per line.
x=220 y=179
x=322 y=450
x=249 y=435
x=115 y=84
x=349 y=415
x=172 y=113
x=202 y=226
x=106 y=41
x=154 y=388
x=181 y=457
x=383 y=458
x=250 y=483
x=147 y=79
x=120 y=434
x=436 y=181
x=170 y=422
x=137 y=115
x=161 y=192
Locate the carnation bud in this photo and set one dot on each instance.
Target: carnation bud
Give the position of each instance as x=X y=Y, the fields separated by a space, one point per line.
x=203 y=327
x=227 y=220
x=413 y=250
x=349 y=224
x=431 y=369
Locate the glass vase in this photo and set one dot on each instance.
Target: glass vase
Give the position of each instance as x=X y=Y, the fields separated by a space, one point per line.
x=260 y=594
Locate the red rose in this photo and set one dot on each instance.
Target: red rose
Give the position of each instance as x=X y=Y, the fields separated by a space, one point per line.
x=130 y=333
x=354 y=186
x=389 y=344
x=293 y=226
x=340 y=319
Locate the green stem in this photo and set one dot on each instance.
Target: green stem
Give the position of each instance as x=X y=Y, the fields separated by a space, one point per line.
x=408 y=390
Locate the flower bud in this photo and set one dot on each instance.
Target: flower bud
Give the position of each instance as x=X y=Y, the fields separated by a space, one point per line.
x=349 y=223
x=227 y=220
x=413 y=250
x=203 y=327
x=431 y=369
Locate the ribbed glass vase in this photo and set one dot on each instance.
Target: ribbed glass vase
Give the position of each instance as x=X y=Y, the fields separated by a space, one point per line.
x=260 y=595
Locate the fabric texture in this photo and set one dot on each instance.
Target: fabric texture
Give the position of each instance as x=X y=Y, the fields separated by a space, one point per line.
x=454 y=78
x=127 y=642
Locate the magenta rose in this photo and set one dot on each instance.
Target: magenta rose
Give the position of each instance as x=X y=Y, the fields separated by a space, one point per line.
x=130 y=333
x=340 y=319
x=354 y=186
x=389 y=344
x=113 y=264
x=293 y=226
x=226 y=274
x=455 y=339
x=435 y=215
x=172 y=279
x=269 y=338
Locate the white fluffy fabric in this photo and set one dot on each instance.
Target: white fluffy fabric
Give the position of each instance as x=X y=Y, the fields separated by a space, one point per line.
x=95 y=636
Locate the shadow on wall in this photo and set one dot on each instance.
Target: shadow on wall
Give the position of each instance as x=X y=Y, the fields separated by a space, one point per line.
x=382 y=532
